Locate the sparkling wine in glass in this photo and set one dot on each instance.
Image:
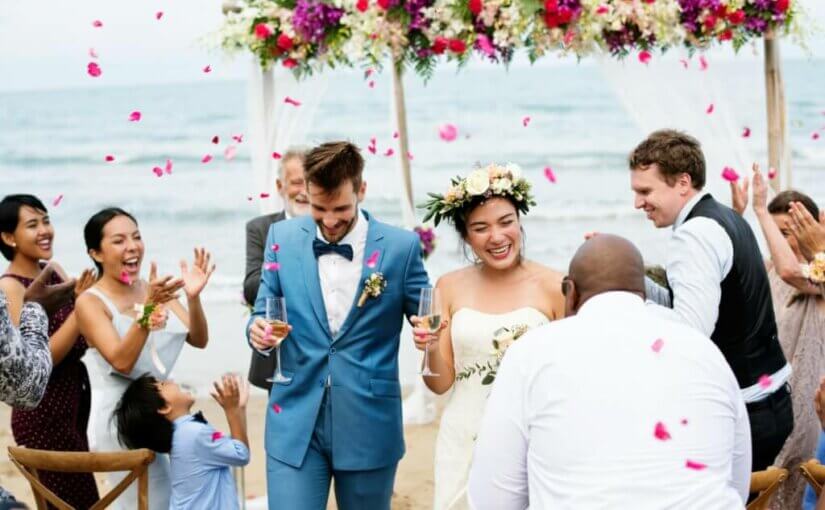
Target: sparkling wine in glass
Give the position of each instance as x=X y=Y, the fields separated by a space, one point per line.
x=277 y=322
x=429 y=310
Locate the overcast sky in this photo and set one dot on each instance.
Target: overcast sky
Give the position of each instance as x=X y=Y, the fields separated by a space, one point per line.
x=46 y=44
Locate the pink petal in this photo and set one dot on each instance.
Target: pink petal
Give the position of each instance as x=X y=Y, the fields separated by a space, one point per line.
x=276 y=155
x=124 y=278
x=92 y=53
x=765 y=381
x=135 y=116
x=815 y=136
x=93 y=69
x=249 y=198
x=57 y=200
x=395 y=134
x=771 y=173
x=683 y=421
x=97 y=23
x=602 y=9
x=368 y=73
x=216 y=435
x=207 y=158
x=158 y=171
x=692 y=464
x=684 y=63
x=207 y=69
x=525 y=121
x=448 y=132
x=109 y=158
x=660 y=432
x=729 y=174
x=238 y=138
x=276 y=408
x=158 y=15
x=409 y=156
x=703 y=63
x=168 y=167
x=549 y=175
x=216 y=140
x=230 y=152
x=264 y=195
x=389 y=152
x=371 y=84
x=644 y=57
x=746 y=132
x=272 y=266
x=275 y=247
x=373 y=260
x=709 y=109
x=657 y=345
x=293 y=102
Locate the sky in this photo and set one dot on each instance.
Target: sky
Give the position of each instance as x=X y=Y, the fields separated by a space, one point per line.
x=45 y=45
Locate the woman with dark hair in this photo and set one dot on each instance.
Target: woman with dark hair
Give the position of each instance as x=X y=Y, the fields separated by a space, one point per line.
x=800 y=317
x=500 y=290
x=59 y=421
x=130 y=331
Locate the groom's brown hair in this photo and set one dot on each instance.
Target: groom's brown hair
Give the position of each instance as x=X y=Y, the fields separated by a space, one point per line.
x=674 y=152
x=333 y=163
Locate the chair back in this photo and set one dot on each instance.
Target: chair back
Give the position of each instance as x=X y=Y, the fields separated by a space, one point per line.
x=765 y=484
x=814 y=472
x=29 y=461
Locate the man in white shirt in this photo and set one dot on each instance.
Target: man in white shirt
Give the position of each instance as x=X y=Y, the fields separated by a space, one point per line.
x=717 y=279
x=614 y=407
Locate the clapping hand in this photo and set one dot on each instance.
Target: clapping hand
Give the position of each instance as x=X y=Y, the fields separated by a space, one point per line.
x=86 y=279
x=739 y=193
x=810 y=234
x=164 y=289
x=50 y=297
x=195 y=279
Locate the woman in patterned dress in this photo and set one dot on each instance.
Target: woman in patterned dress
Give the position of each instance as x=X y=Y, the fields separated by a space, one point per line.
x=59 y=421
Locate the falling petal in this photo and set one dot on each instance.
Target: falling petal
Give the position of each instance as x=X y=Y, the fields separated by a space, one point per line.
x=168 y=167
x=207 y=69
x=216 y=435
x=703 y=63
x=815 y=136
x=771 y=173
x=409 y=156
x=293 y=102
x=93 y=69
x=692 y=464
x=124 y=278
x=230 y=152
x=276 y=408
x=216 y=140
x=683 y=62
x=135 y=116
x=549 y=175
x=158 y=171
x=389 y=152
x=272 y=266
x=729 y=174
x=275 y=247
x=448 y=132
x=109 y=158
x=660 y=432
x=657 y=345
x=683 y=421
x=709 y=109
x=158 y=15
x=276 y=155
x=765 y=381
x=525 y=121
x=373 y=260
x=264 y=195
x=368 y=73
x=57 y=200
x=644 y=57
x=207 y=158
x=92 y=53
x=746 y=132
x=395 y=134
x=371 y=84
x=238 y=138
x=97 y=23
x=249 y=198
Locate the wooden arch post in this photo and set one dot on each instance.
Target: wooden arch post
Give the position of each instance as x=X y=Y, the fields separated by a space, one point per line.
x=777 y=117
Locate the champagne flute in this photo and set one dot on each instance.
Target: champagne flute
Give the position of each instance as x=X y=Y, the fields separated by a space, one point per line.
x=429 y=310
x=277 y=321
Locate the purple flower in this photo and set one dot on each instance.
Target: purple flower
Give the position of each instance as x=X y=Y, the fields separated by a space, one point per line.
x=415 y=8
x=312 y=18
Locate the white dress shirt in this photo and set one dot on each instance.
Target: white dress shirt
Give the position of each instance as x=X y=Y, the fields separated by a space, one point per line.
x=340 y=277
x=571 y=418
x=699 y=258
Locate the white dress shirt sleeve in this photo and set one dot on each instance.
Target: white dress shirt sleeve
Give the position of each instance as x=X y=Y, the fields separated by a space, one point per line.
x=498 y=476
x=700 y=255
x=741 y=468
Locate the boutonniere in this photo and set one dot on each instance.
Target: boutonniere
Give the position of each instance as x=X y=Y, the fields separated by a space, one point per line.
x=373 y=287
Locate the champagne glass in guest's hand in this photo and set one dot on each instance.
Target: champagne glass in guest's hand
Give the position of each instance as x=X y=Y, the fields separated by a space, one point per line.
x=277 y=328
x=429 y=311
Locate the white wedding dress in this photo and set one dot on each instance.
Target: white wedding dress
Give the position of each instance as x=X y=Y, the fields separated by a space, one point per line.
x=472 y=335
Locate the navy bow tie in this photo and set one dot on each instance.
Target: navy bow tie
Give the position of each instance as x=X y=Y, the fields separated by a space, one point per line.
x=321 y=248
x=199 y=417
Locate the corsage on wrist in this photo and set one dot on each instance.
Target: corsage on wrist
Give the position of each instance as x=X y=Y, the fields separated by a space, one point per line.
x=815 y=270
x=150 y=316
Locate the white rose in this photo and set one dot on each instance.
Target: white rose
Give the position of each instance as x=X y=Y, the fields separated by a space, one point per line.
x=502 y=185
x=477 y=182
x=515 y=171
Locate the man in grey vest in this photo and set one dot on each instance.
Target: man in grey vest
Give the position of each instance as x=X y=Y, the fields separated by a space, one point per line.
x=717 y=278
x=292 y=188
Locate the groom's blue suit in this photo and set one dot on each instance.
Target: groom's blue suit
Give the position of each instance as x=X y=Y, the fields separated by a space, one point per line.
x=341 y=414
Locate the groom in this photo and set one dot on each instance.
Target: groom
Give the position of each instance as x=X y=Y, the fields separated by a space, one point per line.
x=340 y=416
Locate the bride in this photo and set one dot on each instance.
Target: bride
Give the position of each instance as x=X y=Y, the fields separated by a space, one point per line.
x=501 y=289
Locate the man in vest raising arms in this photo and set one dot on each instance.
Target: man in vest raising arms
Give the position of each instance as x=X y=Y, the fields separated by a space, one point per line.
x=717 y=279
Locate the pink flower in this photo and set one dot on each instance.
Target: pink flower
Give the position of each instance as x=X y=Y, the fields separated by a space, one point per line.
x=660 y=432
x=746 y=132
x=284 y=42
x=362 y=5
x=439 y=45
x=448 y=132
x=697 y=466
x=602 y=9
x=644 y=57
x=485 y=46
x=97 y=23
x=290 y=63
x=373 y=260
x=657 y=345
x=230 y=152
x=371 y=84
x=395 y=134
x=216 y=435
x=93 y=69
x=276 y=155
x=765 y=381
x=475 y=7
x=109 y=158
x=206 y=159
x=57 y=200
x=262 y=31
x=409 y=156
x=457 y=46
x=549 y=175
x=729 y=174
x=135 y=116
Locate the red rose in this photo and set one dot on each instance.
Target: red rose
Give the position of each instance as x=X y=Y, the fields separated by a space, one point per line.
x=710 y=22
x=551 y=5
x=289 y=63
x=475 y=7
x=362 y=5
x=262 y=31
x=384 y=4
x=737 y=17
x=721 y=11
x=727 y=35
x=565 y=15
x=782 y=5
x=439 y=45
x=457 y=46
x=284 y=42
x=649 y=1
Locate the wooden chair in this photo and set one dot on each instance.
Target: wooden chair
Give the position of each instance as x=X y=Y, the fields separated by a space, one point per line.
x=765 y=484
x=814 y=472
x=135 y=461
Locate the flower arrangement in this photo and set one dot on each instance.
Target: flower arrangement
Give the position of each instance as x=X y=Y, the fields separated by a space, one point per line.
x=481 y=184
x=426 y=236
x=503 y=338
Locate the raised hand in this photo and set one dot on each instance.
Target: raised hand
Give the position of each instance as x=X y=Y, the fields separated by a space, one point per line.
x=86 y=279
x=195 y=279
x=760 y=190
x=50 y=297
x=163 y=289
x=739 y=194
x=230 y=392
x=810 y=234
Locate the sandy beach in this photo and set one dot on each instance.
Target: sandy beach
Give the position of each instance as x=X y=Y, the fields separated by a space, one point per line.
x=413 y=483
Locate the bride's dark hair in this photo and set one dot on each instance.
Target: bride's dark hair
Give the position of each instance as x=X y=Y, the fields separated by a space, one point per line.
x=460 y=224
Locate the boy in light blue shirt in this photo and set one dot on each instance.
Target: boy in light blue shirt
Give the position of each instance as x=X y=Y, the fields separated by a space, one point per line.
x=157 y=415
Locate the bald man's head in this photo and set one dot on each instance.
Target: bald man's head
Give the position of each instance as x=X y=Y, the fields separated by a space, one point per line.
x=604 y=263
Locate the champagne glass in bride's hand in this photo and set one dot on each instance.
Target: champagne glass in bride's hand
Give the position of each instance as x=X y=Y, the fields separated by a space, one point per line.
x=277 y=328
x=429 y=312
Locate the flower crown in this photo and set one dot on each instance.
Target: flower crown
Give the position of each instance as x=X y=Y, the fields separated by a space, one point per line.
x=486 y=182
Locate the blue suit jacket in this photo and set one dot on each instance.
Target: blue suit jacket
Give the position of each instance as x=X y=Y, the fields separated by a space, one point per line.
x=362 y=359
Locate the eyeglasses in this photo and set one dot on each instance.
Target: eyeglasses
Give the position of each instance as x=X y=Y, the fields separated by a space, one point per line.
x=565 y=285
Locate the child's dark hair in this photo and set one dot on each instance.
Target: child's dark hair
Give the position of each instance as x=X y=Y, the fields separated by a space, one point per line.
x=139 y=424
